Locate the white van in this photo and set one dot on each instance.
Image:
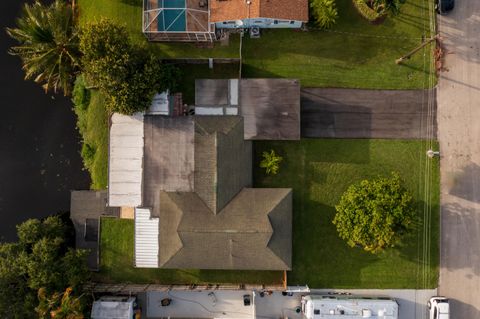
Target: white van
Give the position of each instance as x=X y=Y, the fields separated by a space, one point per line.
x=349 y=307
x=439 y=308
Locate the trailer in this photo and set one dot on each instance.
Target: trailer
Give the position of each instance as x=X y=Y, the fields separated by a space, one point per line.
x=349 y=307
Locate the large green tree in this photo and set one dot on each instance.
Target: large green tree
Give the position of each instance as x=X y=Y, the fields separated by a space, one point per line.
x=40 y=259
x=374 y=214
x=127 y=75
x=48 y=44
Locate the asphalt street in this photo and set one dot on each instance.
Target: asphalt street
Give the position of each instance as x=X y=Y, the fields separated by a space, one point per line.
x=39 y=145
x=459 y=135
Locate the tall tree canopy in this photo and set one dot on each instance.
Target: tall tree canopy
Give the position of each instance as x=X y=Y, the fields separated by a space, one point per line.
x=375 y=214
x=41 y=259
x=48 y=44
x=127 y=75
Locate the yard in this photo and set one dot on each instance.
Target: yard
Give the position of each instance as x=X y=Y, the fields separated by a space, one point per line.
x=352 y=54
x=319 y=171
x=116 y=263
x=92 y=123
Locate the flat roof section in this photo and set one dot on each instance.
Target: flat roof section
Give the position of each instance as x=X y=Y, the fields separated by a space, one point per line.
x=125 y=160
x=169 y=156
x=270 y=108
x=210 y=92
x=86 y=208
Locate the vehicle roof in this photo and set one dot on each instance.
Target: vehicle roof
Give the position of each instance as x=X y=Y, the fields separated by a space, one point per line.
x=443 y=307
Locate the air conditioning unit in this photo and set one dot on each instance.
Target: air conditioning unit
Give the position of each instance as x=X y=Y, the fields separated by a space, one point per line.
x=254 y=32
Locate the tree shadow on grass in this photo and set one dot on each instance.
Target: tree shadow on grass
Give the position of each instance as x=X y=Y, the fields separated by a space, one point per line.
x=320 y=258
x=421 y=246
x=134 y=3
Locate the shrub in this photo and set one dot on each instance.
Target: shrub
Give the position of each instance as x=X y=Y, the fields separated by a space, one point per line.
x=80 y=95
x=324 y=12
x=367 y=12
x=88 y=154
x=271 y=162
x=384 y=6
x=375 y=214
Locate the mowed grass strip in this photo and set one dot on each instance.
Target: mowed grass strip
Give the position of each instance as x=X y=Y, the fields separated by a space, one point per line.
x=94 y=131
x=319 y=171
x=116 y=263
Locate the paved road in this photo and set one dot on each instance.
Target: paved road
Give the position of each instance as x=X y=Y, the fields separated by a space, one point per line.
x=229 y=303
x=459 y=135
x=39 y=145
x=352 y=113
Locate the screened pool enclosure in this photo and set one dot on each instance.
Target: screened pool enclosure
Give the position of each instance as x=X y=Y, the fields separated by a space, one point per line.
x=177 y=20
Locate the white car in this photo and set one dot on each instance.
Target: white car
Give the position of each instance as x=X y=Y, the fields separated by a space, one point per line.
x=439 y=308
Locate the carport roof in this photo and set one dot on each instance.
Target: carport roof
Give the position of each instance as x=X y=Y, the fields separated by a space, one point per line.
x=270 y=107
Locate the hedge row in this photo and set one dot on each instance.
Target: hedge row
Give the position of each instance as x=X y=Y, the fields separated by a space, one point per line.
x=367 y=12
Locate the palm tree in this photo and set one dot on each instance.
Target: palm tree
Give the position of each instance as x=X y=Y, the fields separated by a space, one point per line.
x=271 y=162
x=48 y=44
x=59 y=306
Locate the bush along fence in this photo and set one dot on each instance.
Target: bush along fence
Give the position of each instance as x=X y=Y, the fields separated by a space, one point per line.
x=368 y=13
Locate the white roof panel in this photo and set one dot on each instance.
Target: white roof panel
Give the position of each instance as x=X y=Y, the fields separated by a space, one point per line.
x=126 y=160
x=146 y=239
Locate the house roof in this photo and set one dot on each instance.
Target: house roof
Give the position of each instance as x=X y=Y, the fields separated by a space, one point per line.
x=86 y=209
x=205 y=154
x=125 y=160
x=270 y=107
x=223 y=160
x=253 y=231
x=245 y=228
x=227 y=10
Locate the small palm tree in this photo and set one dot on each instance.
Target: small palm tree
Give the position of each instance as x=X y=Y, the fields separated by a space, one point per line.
x=271 y=162
x=48 y=44
x=59 y=305
x=324 y=12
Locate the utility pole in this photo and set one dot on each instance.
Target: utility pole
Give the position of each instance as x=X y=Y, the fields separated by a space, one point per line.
x=409 y=54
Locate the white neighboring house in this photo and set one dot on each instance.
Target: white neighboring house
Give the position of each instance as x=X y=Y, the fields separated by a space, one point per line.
x=271 y=14
x=349 y=307
x=199 y=21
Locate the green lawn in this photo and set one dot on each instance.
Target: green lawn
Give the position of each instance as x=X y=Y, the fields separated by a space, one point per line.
x=93 y=126
x=116 y=263
x=343 y=58
x=353 y=54
x=319 y=171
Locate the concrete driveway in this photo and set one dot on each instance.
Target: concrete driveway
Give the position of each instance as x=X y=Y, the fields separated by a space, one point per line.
x=353 y=113
x=459 y=135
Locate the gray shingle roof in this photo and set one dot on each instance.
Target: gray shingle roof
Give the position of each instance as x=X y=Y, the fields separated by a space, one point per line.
x=220 y=223
x=223 y=160
x=253 y=231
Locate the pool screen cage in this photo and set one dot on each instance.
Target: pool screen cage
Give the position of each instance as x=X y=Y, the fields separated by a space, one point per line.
x=177 y=20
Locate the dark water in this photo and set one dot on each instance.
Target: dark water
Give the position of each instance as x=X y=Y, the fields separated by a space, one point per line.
x=39 y=145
